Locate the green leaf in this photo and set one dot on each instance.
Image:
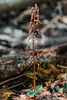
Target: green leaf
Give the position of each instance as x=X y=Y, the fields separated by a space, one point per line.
x=37 y=89
x=7 y=95
x=30 y=93
x=58 y=89
x=65 y=85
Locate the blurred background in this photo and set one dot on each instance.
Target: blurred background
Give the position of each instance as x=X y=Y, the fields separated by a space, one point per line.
x=15 y=19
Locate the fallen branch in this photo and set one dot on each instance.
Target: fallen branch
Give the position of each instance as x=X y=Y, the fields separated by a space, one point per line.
x=11 y=79
x=13 y=65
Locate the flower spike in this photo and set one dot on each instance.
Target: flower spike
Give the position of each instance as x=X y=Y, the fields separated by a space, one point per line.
x=34 y=21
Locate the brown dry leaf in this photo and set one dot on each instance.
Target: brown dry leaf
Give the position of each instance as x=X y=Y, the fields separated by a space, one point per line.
x=54 y=69
x=58 y=82
x=62 y=98
x=22 y=97
x=46 y=93
x=48 y=83
x=16 y=98
x=61 y=76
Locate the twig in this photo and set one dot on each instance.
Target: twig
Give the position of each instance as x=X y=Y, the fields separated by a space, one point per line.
x=11 y=79
x=64 y=67
x=15 y=85
x=49 y=24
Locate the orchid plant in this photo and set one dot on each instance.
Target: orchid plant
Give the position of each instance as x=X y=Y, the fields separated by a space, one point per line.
x=34 y=22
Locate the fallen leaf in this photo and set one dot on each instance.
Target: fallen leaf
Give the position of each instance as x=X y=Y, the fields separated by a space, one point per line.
x=54 y=69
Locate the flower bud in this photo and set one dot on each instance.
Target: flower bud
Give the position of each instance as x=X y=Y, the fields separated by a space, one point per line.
x=32 y=26
x=34 y=11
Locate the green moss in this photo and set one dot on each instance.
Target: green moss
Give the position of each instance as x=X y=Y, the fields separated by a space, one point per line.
x=42 y=75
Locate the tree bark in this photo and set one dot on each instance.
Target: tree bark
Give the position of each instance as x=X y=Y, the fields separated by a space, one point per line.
x=7 y=5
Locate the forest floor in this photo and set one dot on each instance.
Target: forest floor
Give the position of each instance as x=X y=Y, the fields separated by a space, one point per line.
x=15 y=81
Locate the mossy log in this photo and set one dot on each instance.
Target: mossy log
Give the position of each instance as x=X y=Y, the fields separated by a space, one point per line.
x=13 y=65
x=7 y=5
